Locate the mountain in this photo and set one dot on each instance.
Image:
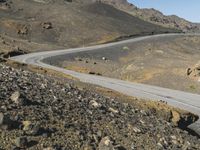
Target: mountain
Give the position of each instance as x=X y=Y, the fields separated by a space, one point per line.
x=66 y=23
x=154 y=16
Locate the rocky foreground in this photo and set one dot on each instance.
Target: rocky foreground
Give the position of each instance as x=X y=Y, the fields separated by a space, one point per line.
x=40 y=112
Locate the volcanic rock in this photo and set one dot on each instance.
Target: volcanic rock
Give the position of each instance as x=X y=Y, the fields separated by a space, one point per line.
x=21 y=142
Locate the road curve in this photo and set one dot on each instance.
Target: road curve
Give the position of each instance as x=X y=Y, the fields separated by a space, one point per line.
x=183 y=100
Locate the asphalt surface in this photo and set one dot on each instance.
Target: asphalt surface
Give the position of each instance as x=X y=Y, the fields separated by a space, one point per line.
x=180 y=99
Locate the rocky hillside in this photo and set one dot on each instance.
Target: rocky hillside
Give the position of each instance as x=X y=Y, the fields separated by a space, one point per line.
x=48 y=24
x=40 y=112
x=154 y=16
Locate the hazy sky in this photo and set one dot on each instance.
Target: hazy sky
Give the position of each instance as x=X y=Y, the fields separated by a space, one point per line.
x=188 y=9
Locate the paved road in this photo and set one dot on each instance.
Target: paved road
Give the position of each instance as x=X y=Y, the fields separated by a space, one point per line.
x=183 y=100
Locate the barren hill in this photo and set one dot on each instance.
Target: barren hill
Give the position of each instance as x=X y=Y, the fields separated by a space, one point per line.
x=45 y=24
x=154 y=16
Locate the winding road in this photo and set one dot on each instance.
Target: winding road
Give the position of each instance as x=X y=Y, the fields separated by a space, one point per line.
x=183 y=100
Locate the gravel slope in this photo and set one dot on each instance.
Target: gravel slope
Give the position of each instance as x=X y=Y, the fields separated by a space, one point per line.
x=42 y=112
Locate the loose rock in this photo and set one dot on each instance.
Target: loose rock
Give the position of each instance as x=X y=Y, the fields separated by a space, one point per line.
x=21 y=142
x=106 y=144
x=15 y=97
x=59 y=115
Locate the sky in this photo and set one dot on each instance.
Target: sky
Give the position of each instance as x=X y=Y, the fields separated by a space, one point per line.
x=188 y=9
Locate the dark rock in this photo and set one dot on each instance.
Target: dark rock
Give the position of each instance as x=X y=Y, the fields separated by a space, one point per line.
x=47 y=25
x=119 y=147
x=15 y=52
x=23 y=30
x=21 y=142
x=2 y=1
x=36 y=130
x=5 y=121
x=68 y=1
x=2 y=59
x=189 y=71
x=14 y=147
x=91 y=72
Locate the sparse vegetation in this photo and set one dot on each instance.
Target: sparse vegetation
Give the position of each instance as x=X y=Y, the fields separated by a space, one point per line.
x=192 y=87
